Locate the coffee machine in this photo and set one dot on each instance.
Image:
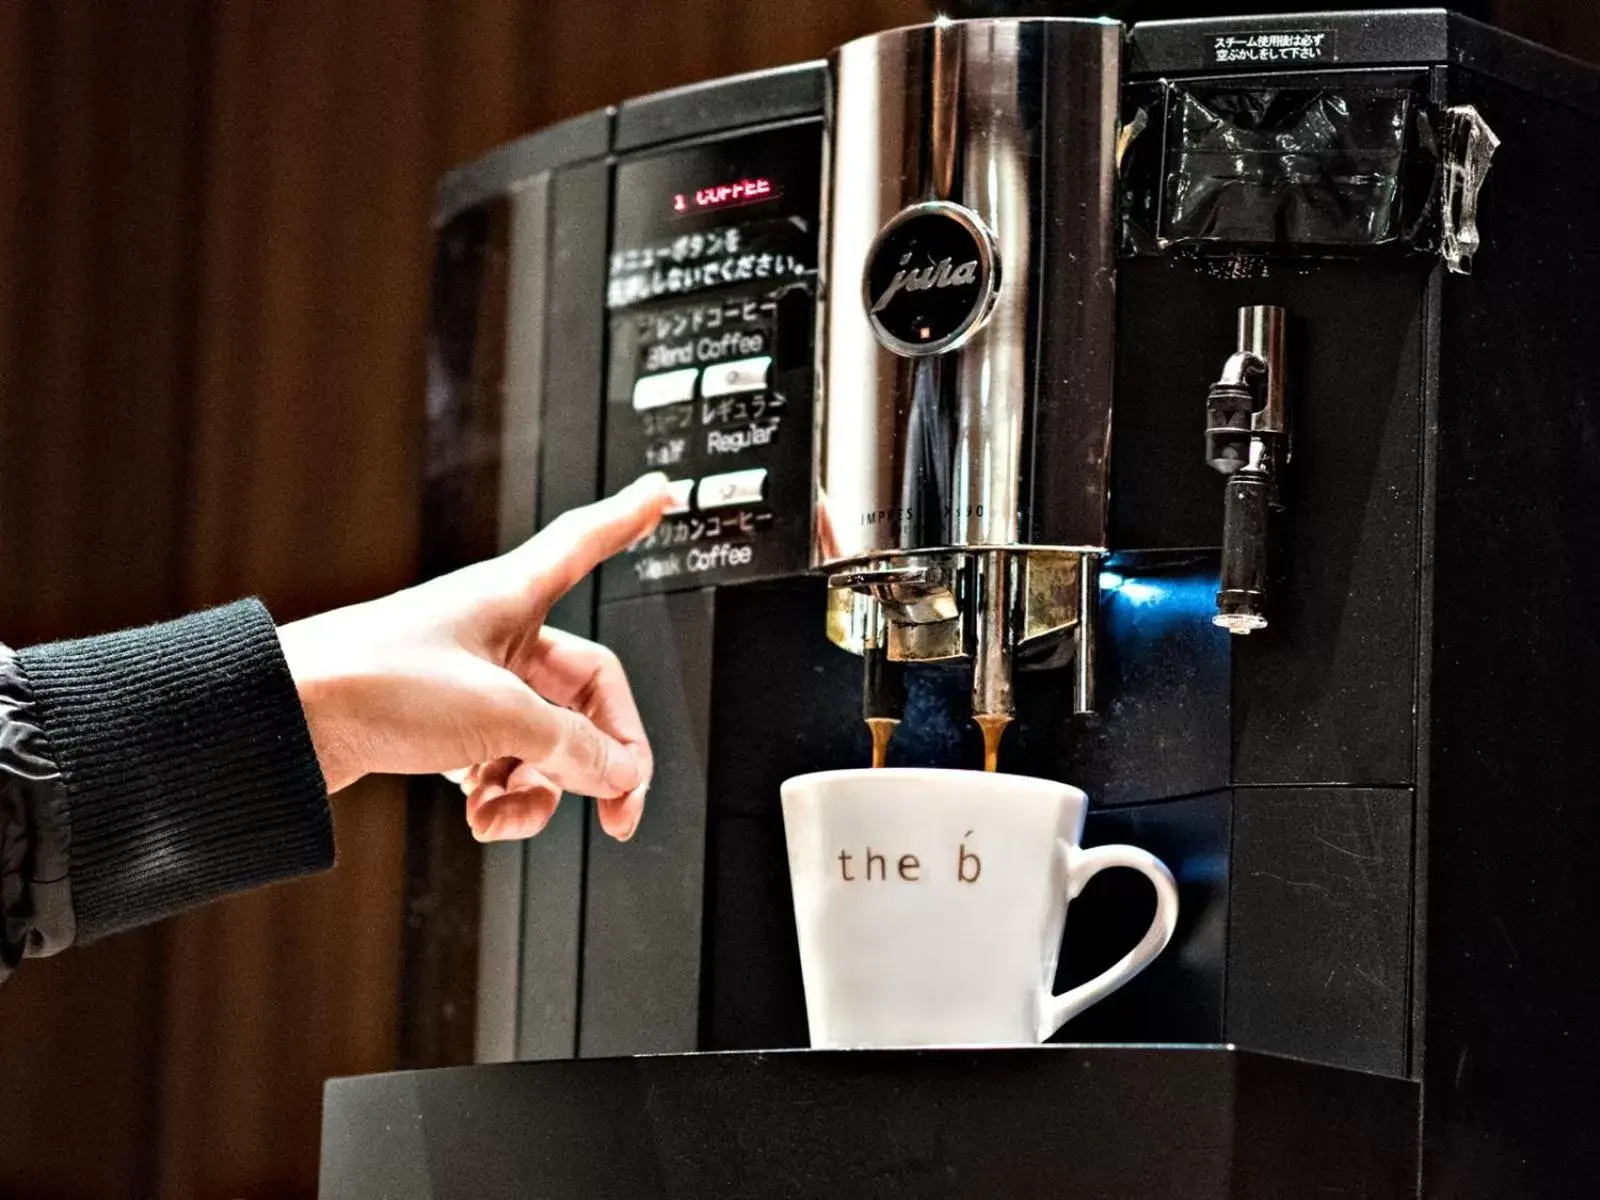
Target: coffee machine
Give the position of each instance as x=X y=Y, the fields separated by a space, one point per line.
x=1201 y=412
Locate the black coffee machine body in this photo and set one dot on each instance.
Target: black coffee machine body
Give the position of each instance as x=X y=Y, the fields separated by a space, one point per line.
x=1290 y=564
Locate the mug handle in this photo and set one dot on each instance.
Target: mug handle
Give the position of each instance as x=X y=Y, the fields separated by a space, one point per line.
x=1056 y=1011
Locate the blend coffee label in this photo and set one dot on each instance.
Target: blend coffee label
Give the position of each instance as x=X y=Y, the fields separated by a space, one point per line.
x=1272 y=49
x=930 y=279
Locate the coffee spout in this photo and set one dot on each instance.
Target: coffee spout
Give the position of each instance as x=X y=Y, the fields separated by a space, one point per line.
x=883 y=689
x=993 y=629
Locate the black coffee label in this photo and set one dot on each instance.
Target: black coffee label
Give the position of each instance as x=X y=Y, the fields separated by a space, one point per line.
x=930 y=278
x=1283 y=48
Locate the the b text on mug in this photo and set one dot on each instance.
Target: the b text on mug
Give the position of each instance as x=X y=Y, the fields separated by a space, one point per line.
x=870 y=866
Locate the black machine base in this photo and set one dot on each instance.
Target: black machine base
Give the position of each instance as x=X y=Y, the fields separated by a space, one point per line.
x=1091 y=1121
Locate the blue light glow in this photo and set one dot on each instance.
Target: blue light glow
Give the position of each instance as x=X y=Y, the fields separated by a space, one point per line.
x=1176 y=598
x=1141 y=592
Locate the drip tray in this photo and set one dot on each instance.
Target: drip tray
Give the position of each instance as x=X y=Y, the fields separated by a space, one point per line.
x=1089 y=1121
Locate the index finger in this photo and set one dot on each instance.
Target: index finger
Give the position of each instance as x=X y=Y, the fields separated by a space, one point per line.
x=579 y=540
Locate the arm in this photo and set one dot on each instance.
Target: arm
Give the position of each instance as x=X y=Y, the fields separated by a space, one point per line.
x=35 y=907
x=147 y=771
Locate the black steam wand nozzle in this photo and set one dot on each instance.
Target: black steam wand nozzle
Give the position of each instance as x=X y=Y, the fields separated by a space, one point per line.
x=1248 y=501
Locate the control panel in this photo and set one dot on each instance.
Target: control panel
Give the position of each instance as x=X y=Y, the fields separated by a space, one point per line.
x=711 y=299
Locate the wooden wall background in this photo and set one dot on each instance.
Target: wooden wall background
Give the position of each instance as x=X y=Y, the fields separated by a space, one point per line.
x=214 y=234
x=214 y=242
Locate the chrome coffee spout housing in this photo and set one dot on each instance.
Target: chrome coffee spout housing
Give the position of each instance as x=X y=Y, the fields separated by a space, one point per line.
x=965 y=337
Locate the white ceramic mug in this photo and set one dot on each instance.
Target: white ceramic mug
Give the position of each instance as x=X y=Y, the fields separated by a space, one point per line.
x=930 y=905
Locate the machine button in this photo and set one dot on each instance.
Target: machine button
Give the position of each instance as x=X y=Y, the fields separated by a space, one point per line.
x=745 y=375
x=679 y=493
x=733 y=489
x=670 y=387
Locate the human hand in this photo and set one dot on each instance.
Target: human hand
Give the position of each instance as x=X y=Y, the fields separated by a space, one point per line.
x=459 y=676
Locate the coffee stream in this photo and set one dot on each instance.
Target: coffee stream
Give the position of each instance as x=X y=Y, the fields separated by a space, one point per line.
x=992 y=726
x=882 y=730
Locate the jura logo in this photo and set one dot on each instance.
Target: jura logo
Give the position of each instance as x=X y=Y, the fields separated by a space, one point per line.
x=931 y=279
x=914 y=280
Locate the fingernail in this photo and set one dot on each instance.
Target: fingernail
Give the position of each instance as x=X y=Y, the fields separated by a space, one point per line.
x=638 y=813
x=482 y=822
x=623 y=770
x=653 y=481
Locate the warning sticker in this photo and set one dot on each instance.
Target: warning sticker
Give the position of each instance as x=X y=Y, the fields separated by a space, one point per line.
x=1272 y=49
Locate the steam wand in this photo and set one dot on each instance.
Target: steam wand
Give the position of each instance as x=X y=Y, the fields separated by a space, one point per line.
x=1247 y=440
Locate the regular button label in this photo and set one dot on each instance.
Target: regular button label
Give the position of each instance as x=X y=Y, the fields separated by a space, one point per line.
x=729 y=379
x=732 y=490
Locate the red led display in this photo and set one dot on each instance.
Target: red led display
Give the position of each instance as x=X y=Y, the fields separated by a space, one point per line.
x=725 y=195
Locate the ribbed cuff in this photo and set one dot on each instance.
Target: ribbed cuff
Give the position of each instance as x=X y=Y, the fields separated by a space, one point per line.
x=188 y=767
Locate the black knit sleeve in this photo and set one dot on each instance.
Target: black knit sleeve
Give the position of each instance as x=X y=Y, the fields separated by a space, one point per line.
x=185 y=763
x=35 y=895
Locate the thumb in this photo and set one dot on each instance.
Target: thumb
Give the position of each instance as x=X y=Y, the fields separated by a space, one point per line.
x=571 y=751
